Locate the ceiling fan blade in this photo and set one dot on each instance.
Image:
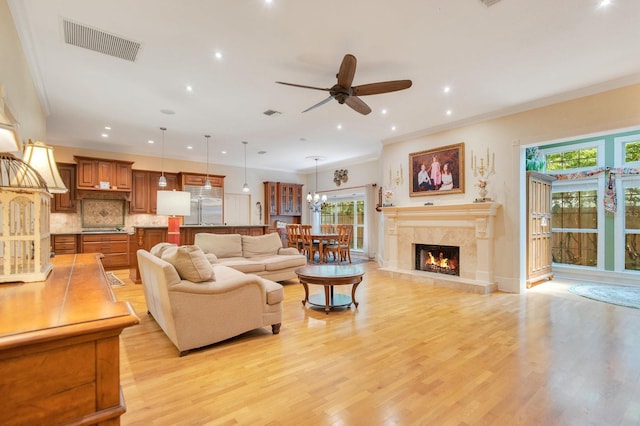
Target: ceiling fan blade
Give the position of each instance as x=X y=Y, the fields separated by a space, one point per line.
x=303 y=86
x=347 y=71
x=382 y=87
x=358 y=105
x=324 y=101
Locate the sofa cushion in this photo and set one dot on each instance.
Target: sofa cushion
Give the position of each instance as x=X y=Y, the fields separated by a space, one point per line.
x=278 y=262
x=243 y=265
x=160 y=248
x=261 y=245
x=288 y=250
x=212 y=258
x=191 y=263
x=275 y=293
x=222 y=245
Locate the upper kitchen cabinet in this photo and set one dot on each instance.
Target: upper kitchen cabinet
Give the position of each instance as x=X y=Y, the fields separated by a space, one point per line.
x=103 y=175
x=198 y=179
x=66 y=203
x=144 y=192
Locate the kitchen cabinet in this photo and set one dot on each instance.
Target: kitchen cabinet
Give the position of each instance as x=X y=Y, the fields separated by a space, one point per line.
x=198 y=179
x=66 y=203
x=144 y=190
x=538 y=227
x=114 y=247
x=64 y=243
x=91 y=172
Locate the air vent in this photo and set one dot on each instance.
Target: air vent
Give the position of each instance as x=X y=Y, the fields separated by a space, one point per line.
x=489 y=2
x=271 y=112
x=100 y=41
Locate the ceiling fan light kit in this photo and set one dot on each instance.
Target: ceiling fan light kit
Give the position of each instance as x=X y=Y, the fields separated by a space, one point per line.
x=345 y=93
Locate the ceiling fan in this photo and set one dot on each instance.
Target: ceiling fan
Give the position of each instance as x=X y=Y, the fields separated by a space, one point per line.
x=344 y=93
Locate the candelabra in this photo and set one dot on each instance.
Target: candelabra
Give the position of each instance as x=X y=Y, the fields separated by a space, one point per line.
x=482 y=172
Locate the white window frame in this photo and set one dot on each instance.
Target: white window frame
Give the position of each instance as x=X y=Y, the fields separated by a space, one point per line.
x=353 y=199
x=587 y=184
x=598 y=144
x=619 y=150
x=622 y=182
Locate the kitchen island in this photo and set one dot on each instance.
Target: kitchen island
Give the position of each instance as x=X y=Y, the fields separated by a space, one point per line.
x=145 y=237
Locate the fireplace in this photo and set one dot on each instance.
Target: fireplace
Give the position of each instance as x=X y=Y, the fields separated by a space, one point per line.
x=437 y=258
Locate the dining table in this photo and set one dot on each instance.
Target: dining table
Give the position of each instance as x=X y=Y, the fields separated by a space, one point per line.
x=323 y=238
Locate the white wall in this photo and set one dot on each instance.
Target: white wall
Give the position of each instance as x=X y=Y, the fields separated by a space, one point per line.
x=506 y=136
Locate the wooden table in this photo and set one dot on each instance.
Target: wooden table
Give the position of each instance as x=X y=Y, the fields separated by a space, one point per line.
x=59 y=346
x=329 y=276
x=322 y=238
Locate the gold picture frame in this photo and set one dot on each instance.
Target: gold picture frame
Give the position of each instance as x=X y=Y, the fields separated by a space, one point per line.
x=437 y=171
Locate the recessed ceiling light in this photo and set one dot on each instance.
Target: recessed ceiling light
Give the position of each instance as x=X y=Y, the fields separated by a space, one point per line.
x=104 y=135
x=449 y=112
x=339 y=126
x=268 y=1
x=107 y=128
x=384 y=111
x=393 y=128
x=189 y=88
x=223 y=152
x=604 y=3
x=150 y=141
x=218 y=55
x=189 y=147
x=446 y=89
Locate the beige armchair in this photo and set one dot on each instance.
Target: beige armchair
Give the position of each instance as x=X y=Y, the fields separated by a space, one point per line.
x=196 y=314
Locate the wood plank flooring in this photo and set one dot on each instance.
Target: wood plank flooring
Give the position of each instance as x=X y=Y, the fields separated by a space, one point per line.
x=411 y=354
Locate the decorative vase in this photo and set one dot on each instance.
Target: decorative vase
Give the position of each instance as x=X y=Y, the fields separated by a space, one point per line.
x=483 y=193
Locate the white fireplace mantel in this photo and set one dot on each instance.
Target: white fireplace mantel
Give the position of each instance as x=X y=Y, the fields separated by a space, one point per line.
x=468 y=226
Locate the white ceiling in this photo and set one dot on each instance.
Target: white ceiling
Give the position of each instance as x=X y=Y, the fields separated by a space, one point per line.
x=513 y=55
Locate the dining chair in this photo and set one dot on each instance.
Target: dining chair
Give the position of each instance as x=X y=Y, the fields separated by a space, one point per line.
x=345 y=244
x=333 y=247
x=293 y=236
x=309 y=247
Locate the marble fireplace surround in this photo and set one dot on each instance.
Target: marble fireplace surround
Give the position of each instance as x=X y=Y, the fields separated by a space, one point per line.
x=469 y=226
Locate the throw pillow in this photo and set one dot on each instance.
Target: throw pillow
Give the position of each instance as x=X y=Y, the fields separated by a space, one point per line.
x=191 y=264
x=159 y=249
x=261 y=245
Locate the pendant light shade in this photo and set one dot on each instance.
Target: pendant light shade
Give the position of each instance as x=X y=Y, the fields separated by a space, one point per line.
x=162 y=182
x=207 y=182
x=245 y=187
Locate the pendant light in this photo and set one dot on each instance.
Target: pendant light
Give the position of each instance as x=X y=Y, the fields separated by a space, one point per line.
x=207 y=182
x=245 y=187
x=162 y=182
x=316 y=202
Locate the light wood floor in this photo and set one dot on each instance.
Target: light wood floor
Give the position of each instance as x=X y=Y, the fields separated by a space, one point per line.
x=411 y=354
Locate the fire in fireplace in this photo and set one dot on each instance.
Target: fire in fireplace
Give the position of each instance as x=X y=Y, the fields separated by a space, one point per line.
x=438 y=258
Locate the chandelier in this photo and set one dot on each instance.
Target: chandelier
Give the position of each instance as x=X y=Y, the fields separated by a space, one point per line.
x=316 y=201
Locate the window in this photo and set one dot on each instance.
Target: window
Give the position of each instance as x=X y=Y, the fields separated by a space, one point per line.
x=347 y=212
x=574 y=217
x=632 y=225
x=568 y=160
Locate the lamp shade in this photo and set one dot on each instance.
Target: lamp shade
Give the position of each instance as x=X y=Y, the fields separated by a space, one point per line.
x=174 y=203
x=9 y=139
x=40 y=157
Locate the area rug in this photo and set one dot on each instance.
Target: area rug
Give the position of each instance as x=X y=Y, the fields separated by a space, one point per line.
x=622 y=295
x=113 y=280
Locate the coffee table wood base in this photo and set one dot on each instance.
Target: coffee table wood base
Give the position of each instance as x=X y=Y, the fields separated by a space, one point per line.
x=329 y=276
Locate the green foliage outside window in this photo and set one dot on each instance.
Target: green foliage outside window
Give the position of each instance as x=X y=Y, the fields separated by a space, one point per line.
x=572 y=159
x=632 y=152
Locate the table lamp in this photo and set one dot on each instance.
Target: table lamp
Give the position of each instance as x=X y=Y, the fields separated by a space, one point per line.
x=173 y=204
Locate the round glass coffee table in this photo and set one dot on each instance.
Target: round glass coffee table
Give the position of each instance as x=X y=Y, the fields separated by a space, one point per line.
x=329 y=276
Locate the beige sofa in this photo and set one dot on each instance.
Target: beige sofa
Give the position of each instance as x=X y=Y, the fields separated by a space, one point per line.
x=216 y=303
x=261 y=255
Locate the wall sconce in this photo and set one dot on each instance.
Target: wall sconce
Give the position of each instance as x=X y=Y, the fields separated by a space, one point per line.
x=396 y=178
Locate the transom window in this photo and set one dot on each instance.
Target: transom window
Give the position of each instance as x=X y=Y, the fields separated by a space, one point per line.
x=577 y=159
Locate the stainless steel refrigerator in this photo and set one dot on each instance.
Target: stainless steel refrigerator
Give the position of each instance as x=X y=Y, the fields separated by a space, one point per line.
x=206 y=206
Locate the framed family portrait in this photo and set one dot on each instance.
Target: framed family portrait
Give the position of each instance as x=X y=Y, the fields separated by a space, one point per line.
x=437 y=171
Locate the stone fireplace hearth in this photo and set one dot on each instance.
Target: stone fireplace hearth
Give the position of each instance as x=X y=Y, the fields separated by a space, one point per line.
x=467 y=226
